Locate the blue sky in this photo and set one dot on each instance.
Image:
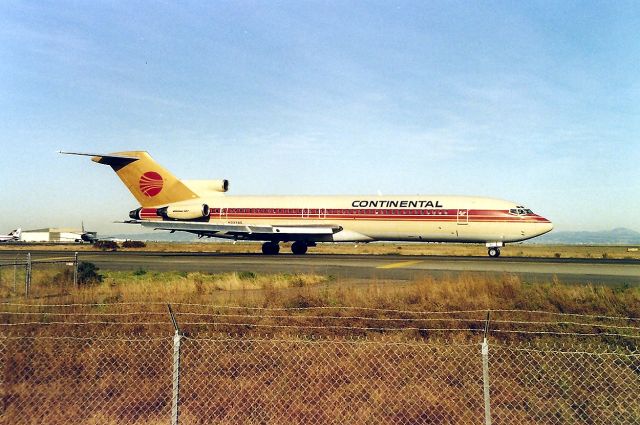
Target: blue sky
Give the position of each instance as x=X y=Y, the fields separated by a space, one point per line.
x=536 y=102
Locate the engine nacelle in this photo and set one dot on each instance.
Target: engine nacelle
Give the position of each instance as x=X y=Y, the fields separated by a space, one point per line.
x=144 y=214
x=184 y=212
x=206 y=186
x=135 y=214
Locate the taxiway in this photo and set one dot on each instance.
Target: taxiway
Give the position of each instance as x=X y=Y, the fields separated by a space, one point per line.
x=382 y=267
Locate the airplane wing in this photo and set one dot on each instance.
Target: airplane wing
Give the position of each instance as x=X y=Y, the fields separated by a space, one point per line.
x=240 y=231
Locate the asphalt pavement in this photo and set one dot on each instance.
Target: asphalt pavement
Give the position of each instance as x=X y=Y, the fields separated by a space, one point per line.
x=384 y=267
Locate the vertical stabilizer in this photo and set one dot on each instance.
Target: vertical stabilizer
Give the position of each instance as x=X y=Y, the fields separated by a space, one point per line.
x=150 y=183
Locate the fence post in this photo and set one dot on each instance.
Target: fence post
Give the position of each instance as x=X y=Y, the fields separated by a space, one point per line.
x=75 y=269
x=175 y=399
x=27 y=277
x=15 y=275
x=485 y=373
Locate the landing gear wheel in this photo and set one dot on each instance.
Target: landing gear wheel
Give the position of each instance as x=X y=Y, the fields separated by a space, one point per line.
x=494 y=252
x=270 y=248
x=299 y=248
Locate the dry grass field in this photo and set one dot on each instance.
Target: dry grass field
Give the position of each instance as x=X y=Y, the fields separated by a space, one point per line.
x=124 y=291
x=248 y=356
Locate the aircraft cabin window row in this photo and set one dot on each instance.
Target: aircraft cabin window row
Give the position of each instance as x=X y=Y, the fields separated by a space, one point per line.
x=326 y=211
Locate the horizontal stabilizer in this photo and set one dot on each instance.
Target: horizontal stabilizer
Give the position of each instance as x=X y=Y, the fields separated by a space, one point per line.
x=107 y=159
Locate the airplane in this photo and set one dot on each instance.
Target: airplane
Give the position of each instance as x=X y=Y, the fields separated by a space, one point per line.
x=13 y=236
x=90 y=237
x=201 y=207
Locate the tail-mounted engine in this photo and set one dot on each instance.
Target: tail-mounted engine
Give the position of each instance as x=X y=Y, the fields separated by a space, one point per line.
x=206 y=187
x=184 y=212
x=172 y=212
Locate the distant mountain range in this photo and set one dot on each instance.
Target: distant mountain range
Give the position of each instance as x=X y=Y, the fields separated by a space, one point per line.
x=619 y=236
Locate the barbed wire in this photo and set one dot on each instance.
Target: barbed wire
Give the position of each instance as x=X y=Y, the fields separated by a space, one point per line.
x=137 y=313
x=311 y=317
x=544 y=323
x=598 y=334
x=84 y=304
x=327 y=327
x=554 y=349
x=335 y=308
x=554 y=313
x=84 y=323
x=98 y=337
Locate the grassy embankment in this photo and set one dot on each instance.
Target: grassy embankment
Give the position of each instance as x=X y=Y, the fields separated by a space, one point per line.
x=128 y=291
x=512 y=250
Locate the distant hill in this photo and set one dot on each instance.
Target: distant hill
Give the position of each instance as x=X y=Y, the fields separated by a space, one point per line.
x=618 y=236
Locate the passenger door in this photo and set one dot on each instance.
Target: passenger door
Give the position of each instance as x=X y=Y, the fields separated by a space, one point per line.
x=463 y=217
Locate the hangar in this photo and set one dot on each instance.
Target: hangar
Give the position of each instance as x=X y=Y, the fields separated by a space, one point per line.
x=52 y=235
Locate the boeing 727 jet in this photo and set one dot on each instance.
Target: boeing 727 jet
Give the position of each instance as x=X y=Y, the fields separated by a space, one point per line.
x=202 y=208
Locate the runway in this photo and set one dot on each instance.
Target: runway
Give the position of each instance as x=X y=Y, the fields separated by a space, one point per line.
x=382 y=267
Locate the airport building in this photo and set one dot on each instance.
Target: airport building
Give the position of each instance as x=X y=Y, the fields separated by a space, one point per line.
x=51 y=235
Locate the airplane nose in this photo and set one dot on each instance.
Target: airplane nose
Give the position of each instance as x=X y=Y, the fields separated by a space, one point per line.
x=546 y=227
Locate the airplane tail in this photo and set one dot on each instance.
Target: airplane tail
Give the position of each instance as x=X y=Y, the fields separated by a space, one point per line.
x=150 y=183
x=17 y=233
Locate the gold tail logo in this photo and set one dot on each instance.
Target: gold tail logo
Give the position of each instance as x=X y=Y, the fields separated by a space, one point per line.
x=151 y=183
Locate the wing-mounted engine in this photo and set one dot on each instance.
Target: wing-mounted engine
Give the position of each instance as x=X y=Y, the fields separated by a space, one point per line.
x=204 y=187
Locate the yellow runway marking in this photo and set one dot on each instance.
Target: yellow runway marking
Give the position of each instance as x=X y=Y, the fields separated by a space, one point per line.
x=399 y=265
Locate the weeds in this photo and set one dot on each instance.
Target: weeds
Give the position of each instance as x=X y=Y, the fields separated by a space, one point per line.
x=246 y=275
x=140 y=272
x=88 y=273
x=134 y=244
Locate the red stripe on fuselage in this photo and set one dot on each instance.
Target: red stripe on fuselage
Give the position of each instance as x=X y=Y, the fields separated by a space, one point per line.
x=429 y=215
x=381 y=214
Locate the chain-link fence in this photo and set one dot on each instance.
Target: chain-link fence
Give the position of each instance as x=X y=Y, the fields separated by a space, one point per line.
x=68 y=374
x=34 y=275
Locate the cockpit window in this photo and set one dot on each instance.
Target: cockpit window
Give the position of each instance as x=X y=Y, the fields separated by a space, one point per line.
x=520 y=211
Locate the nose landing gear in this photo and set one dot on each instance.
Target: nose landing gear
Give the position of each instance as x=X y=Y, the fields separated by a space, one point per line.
x=494 y=252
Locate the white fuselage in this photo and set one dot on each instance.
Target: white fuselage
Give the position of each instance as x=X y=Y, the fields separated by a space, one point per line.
x=428 y=218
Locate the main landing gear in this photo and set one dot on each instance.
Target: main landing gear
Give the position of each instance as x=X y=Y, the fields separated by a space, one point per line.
x=494 y=252
x=298 y=247
x=270 y=248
